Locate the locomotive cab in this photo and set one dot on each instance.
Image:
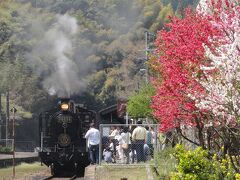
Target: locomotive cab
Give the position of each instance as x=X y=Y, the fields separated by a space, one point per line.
x=62 y=142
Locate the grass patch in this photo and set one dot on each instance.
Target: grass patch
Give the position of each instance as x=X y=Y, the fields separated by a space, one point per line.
x=118 y=172
x=166 y=164
x=21 y=170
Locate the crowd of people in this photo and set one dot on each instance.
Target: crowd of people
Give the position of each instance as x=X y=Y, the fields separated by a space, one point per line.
x=124 y=144
x=129 y=145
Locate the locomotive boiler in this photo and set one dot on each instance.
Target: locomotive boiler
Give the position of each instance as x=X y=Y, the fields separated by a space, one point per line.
x=62 y=144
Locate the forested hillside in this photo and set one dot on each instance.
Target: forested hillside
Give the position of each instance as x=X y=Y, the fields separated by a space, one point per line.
x=87 y=49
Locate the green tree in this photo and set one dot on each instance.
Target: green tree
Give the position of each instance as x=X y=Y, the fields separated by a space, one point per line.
x=16 y=40
x=109 y=38
x=139 y=104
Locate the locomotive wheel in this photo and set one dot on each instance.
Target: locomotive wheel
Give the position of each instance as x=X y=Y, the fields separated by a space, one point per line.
x=80 y=171
x=52 y=170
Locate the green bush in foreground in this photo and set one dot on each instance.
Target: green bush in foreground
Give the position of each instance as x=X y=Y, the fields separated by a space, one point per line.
x=198 y=165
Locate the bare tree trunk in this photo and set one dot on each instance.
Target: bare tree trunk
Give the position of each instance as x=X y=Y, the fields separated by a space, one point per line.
x=185 y=137
x=200 y=134
x=209 y=136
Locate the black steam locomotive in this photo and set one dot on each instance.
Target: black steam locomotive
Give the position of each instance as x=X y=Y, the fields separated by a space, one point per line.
x=63 y=147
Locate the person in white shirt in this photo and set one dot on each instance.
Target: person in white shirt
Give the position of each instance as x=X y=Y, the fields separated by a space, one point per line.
x=119 y=149
x=107 y=155
x=93 y=137
x=114 y=139
x=115 y=131
x=126 y=138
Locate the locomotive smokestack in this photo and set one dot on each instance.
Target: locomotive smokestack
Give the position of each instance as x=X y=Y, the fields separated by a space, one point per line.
x=64 y=100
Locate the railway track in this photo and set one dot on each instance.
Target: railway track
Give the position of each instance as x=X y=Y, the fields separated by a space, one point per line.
x=58 y=178
x=50 y=177
x=74 y=177
x=46 y=175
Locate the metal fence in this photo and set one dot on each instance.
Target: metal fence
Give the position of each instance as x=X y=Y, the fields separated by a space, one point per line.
x=21 y=146
x=129 y=144
x=24 y=146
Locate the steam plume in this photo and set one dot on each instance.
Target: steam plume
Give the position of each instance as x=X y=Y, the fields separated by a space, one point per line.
x=51 y=58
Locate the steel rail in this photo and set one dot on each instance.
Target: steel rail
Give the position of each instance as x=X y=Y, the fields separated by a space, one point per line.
x=74 y=177
x=50 y=177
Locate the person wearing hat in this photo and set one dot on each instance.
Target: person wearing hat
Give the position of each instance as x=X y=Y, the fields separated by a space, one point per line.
x=139 y=137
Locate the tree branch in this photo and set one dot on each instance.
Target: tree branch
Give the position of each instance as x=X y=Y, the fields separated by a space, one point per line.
x=180 y=131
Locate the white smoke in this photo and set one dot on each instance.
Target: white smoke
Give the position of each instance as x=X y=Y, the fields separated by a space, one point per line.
x=51 y=58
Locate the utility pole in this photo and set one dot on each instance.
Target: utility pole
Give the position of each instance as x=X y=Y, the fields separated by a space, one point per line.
x=7 y=115
x=146 y=54
x=145 y=71
x=146 y=45
x=149 y=39
x=13 y=110
x=1 y=115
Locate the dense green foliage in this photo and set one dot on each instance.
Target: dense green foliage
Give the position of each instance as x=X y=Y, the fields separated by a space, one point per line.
x=15 y=76
x=138 y=105
x=108 y=41
x=198 y=164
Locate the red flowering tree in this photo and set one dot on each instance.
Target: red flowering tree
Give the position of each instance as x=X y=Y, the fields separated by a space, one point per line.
x=198 y=58
x=181 y=52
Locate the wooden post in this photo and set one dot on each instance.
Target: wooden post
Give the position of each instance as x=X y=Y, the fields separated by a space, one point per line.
x=13 y=110
x=7 y=115
x=1 y=120
x=0 y=103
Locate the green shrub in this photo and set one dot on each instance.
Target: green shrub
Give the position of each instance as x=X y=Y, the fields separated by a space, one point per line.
x=223 y=167
x=5 y=149
x=198 y=165
x=237 y=176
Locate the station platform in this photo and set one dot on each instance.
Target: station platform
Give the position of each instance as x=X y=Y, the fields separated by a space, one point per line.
x=90 y=172
x=19 y=155
x=28 y=157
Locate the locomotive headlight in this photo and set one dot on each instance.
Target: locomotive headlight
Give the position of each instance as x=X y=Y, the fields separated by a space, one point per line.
x=64 y=107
